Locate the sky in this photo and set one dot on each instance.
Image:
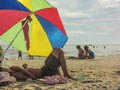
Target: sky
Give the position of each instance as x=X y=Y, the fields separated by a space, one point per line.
x=90 y=21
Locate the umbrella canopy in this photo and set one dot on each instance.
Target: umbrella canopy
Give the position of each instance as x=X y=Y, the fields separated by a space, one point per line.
x=42 y=29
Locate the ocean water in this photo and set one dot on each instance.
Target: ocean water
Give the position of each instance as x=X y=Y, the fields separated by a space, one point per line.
x=98 y=49
x=70 y=50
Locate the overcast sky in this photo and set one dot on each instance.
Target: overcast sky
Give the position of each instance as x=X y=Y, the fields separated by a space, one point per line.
x=90 y=21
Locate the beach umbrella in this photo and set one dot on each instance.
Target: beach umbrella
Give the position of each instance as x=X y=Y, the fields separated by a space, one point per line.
x=32 y=26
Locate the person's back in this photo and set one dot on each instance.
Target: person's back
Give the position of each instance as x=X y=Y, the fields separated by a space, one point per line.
x=89 y=53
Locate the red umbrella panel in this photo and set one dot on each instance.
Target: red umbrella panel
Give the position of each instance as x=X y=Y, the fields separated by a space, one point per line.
x=42 y=28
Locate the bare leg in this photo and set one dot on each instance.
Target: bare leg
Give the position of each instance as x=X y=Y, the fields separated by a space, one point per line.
x=20 y=76
x=58 y=53
x=17 y=70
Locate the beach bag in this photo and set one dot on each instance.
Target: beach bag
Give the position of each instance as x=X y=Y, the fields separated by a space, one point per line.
x=5 y=78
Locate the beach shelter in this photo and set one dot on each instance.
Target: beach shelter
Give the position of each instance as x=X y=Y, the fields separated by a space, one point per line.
x=32 y=26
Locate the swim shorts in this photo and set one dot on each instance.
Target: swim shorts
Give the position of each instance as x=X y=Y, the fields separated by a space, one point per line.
x=51 y=66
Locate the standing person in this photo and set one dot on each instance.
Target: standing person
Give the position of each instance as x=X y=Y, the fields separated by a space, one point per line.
x=89 y=53
x=104 y=47
x=19 y=55
x=80 y=51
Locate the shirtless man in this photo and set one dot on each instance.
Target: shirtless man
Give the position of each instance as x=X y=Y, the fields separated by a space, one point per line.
x=51 y=67
x=80 y=52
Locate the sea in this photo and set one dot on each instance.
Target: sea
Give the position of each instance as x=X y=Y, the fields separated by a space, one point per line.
x=70 y=50
x=98 y=49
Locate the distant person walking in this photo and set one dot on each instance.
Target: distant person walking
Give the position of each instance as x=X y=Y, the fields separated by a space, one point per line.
x=104 y=47
x=19 y=55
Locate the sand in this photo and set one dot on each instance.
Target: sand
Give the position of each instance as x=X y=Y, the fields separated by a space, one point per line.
x=97 y=74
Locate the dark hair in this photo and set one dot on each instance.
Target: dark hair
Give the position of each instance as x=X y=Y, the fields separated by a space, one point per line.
x=78 y=46
x=86 y=47
x=24 y=64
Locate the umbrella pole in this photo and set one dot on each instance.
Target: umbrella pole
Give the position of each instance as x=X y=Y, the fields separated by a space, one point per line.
x=2 y=56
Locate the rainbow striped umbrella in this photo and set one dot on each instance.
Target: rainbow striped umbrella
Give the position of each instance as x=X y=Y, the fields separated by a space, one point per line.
x=38 y=37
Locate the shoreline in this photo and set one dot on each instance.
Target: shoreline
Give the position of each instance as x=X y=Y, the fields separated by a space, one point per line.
x=70 y=50
x=25 y=57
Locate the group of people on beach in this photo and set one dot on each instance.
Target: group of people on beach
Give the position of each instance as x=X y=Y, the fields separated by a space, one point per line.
x=51 y=65
x=85 y=53
x=50 y=68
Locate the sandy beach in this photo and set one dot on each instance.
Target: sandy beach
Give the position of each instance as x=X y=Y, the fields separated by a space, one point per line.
x=97 y=74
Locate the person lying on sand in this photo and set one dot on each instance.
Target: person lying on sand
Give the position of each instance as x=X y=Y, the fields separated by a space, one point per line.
x=51 y=67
